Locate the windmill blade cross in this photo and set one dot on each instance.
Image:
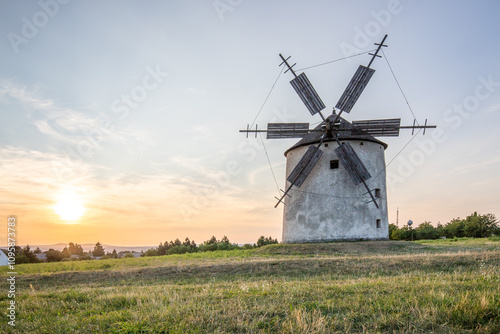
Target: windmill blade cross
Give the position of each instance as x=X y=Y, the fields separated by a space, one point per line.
x=287 y=130
x=303 y=168
x=353 y=165
x=307 y=94
x=379 y=127
x=354 y=88
x=305 y=90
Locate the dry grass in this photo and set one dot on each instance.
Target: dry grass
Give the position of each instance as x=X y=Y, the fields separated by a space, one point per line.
x=318 y=291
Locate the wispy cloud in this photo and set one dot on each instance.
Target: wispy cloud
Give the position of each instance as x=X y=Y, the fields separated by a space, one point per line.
x=71 y=126
x=12 y=92
x=493 y=108
x=477 y=166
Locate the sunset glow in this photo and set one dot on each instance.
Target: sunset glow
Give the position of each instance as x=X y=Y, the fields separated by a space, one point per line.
x=69 y=206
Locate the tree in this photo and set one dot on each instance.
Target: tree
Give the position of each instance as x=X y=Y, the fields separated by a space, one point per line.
x=85 y=256
x=212 y=240
x=403 y=233
x=225 y=239
x=53 y=255
x=426 y=231
x=66 y=254
x=161 y=250
x=25 y=255
x=75 y=249
x=114 y=254
x=392 y=228
x=151 y=252
x=98 y=250
x=441 y=230
x=262 y=241
x=480 y=226
x=455 y=228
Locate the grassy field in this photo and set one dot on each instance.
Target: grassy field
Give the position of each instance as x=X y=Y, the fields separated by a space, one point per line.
x=440 y=286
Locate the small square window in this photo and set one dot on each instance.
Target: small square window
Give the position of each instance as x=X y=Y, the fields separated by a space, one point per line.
x=326 y=145
x=378 y=223
x=377 y=193
x=334 y=164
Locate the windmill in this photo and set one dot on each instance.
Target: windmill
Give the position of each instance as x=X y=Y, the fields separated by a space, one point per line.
x=323 y=200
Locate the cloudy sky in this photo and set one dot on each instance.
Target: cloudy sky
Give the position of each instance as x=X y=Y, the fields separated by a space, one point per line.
x=120 y=119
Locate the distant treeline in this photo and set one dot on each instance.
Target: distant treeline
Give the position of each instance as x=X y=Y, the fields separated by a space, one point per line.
x=72 y=252
x=75 y=252
x=212 y=244
x=473 y=226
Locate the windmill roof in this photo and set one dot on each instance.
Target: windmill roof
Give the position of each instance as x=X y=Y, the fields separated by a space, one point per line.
x=314 y=137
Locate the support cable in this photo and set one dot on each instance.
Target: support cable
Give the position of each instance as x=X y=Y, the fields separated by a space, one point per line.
x=333 y=61
x=267 y=97
x=270 y=166
x=400 y=89
x=404 y=147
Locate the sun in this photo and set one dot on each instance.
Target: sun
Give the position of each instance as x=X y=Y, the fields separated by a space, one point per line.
x=69 y=206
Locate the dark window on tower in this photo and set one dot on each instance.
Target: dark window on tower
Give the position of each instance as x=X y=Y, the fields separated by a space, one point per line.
x=334 y=164
x=377 y=193
x=378 y=223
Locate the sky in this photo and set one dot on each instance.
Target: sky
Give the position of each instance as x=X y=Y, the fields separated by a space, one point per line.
x=119 y=119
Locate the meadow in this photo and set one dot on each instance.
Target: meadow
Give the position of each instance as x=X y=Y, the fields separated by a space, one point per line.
x=435 y=286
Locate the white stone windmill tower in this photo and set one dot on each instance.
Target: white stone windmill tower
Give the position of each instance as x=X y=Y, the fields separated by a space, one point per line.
x=336 y=181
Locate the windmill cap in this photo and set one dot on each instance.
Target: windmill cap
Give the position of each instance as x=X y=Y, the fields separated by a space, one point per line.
x=314 y=137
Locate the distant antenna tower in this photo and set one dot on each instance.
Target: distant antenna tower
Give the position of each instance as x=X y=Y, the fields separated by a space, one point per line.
x=397 y=217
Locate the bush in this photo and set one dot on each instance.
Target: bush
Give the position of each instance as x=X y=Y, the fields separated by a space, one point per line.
x=480 y=226
x=474 y=226
x=455 y=228
x=392 y=228
x=426 y=231
x=403 y=233
x=262 y=241
x=181 y=249
x=85 y=256
x=53 y=255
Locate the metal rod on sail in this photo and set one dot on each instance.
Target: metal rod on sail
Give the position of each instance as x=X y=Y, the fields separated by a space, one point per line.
x=376 y=52
x=288 y=65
